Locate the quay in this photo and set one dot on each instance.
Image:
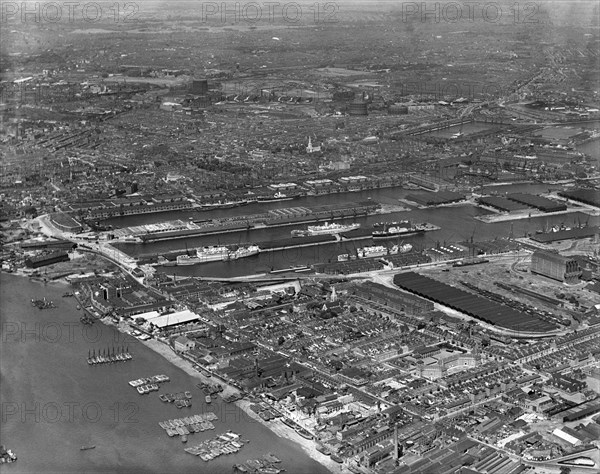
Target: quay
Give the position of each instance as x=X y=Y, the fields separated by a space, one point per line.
x=275 y=218
x=302 y=242
x=297 y=242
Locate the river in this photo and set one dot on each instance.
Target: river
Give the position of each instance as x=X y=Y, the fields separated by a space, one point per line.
x=53 y=402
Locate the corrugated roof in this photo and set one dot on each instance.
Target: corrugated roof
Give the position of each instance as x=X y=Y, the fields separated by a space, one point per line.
x=174 y=318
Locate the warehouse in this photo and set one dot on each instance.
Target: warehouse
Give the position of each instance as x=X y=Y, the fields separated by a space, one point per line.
x=467 y=303
x=587 y=196
x=435 y=199
x=395 y=299
x=577 y=233
x=580 y=412
x=173 y=319
x=501 y=203
x=555 y=266
x=541 y=203
x=47 y=259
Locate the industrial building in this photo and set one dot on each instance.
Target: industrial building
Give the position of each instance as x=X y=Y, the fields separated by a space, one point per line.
x=478 y=307
x=397 y=109
x=47 y=259
x=65 y=222
x=541 y=203
x=577 y=233
x=555 y=266
x=395 y=299
x=501 y=203
x=435 y=199
x=587 y=196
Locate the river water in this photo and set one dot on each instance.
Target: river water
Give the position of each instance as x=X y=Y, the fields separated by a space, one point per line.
x=457 y=224
x=53 y=402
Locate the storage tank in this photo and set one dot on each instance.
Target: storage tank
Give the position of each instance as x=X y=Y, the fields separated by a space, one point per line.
x=199 y=86
x=358 y=107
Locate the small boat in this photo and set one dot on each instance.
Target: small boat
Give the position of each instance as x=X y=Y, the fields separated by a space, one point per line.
x=184 y=438
x=270 y=457
x=208 y=399
x=85 y=448
x=323 y=450
x=188 y=395
x=163 y=398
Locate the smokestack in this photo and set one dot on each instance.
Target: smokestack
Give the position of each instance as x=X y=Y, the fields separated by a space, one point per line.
x=395 y=442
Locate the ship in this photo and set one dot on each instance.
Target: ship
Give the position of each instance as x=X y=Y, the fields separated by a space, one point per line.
x=161 y=260
x=224 y=204
x=187 y=260
x=376 y=251
x=390 y=230
x=325 y=229
x=404 y=248
x=213 y=253
x=278 y=196
x=302 y=432
x=242 y=252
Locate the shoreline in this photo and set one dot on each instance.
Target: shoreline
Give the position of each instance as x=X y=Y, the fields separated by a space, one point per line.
x=275 y=426
x=284 y=431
